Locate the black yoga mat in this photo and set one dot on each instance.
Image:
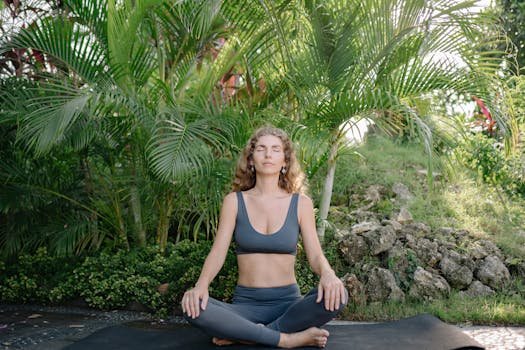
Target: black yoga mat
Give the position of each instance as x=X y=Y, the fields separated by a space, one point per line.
x=419 y=332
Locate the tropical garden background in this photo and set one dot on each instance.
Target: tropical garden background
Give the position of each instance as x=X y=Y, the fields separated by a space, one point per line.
x=121 y=122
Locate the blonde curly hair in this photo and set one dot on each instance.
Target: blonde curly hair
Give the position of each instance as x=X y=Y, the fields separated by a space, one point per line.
x=292 y=181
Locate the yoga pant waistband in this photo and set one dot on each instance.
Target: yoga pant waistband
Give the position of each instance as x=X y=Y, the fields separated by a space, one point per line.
x=244 y=294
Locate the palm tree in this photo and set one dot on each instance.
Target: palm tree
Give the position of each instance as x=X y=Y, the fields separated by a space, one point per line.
x=132 y=87
x=375 y=59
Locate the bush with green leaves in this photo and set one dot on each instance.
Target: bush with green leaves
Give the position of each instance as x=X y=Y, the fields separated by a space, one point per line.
x=31 y=278
x=114 y=279
x=486 y=156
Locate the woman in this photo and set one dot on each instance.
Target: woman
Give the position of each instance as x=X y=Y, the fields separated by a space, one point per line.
x=265 y=214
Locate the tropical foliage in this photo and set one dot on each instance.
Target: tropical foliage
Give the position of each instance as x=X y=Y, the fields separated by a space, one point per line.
x=121 y=120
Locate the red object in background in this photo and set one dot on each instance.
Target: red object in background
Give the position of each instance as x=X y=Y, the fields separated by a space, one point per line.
x=489 y=121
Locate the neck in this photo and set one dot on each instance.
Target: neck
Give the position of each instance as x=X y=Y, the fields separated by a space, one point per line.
x=267 y=185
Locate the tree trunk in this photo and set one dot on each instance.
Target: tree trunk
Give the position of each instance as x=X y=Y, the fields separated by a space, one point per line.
x=136 y=208
x=165 y=206
x=327 y=191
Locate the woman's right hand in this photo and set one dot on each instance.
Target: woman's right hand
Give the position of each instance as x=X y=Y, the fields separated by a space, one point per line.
x=192 y=298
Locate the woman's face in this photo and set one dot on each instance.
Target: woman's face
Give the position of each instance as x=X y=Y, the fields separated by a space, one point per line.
x=268 y=155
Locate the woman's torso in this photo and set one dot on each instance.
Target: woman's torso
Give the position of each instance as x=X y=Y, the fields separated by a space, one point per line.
x=266 y=220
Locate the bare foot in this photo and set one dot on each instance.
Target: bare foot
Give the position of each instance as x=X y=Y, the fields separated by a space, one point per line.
x=312 y=336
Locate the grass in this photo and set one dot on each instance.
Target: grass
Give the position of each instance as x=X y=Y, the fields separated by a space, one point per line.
x=494 y=310
x=455 y=200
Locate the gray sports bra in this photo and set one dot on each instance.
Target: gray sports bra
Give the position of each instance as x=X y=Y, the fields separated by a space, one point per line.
x=248 y=240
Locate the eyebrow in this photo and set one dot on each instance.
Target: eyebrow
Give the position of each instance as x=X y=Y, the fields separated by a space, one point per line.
x=272 y=146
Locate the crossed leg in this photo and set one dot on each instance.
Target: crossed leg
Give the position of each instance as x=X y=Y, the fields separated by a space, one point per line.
x=297 y=326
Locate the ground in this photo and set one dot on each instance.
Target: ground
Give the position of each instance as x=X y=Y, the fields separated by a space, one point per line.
x=51 y=328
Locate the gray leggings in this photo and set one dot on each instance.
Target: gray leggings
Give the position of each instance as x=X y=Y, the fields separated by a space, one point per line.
x=260 y=314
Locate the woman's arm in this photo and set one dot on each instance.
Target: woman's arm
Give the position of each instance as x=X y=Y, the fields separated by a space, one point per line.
x=330 y=286
x=215 y=259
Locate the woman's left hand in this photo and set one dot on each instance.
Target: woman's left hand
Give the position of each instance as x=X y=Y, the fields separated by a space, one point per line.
x=333 y=290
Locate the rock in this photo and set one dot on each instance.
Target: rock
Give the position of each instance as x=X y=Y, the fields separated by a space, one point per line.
x=381 y=286
x=404 y=216
x=461 y=259
x=340 y=234
x=402 y=192
x=353 y=247
x=427 y=251
x=396 y=225
x=445 y=231
x=444 y=246
x=462 y=236
x=492 y=272
x=483 y=248
x=516 y=267
x=417 y=229
x=364 y=227
x=477 y=289
x=364 y=215
x=398 y=261
x=380 y=240
x=428 y=286
x=356 y=289
x=458 y=276
x=373 y=193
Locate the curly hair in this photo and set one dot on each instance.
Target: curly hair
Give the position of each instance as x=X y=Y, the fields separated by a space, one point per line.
x=292 y=181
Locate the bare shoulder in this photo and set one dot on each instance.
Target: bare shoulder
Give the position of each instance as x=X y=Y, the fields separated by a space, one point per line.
x=230 y=200
x=305 y=202
x=305 y=206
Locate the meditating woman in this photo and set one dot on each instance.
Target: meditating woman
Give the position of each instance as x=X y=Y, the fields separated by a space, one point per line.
x=265 y=214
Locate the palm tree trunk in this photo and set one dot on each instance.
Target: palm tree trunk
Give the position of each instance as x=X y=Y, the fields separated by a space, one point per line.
x=89 y=188
x=135 y=203
x=165 y=206
x=136 y=208
x=121 y=227
x=327 y=190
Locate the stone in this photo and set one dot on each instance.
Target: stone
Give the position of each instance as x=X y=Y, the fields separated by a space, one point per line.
x=340 y=234
x=516 y=266
x=492 y=272
x=477 y=289
x=355 y=289
x=353 y=248
x=404 y=216
x=381 y=286
x=365 y=215
x=426 y=251
x=380 y=240
x=458 y=276
x=396 y=225
x=373 y=193
x=402 y=192
x=428 y=286
x=460 y=259
x=445 y=231
x=483 y=248
x=364 y=227
x=398 y=261
x=417 y=229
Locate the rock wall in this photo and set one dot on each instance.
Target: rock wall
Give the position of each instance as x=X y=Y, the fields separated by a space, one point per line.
x=395 y=259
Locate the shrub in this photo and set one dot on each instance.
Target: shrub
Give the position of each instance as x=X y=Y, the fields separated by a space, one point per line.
x=31 y=278
x=486 y=157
